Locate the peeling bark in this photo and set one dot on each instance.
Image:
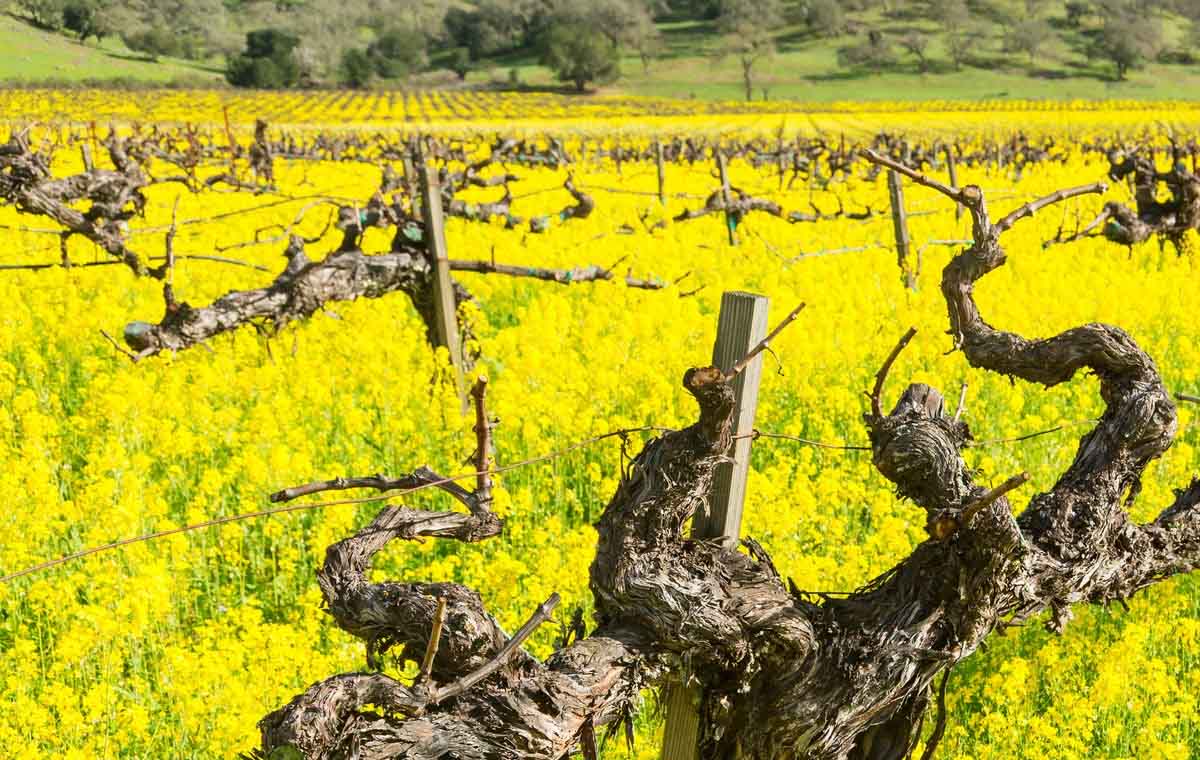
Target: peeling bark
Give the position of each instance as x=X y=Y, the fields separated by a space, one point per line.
x=303 y=288
x=739 y=205
x=115 y=196
x=1170 y=220
x=786 y=676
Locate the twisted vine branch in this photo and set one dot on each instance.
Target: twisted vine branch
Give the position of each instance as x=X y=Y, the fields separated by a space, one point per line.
x=787 y=676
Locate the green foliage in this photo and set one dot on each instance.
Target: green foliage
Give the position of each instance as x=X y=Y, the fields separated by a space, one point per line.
x=44 y=13
x=77 y=17
x=260 y=73
x=580 y=54
x=1076 y=10
x=460 y=62
x=32 y=56
x=1127 y=41
x=874 y=54
x=491 y=27
x=700 y=9
x=183 y=28
x=1029 y=36
x=153 y=41
x=962 y=35
x=356 y=68
x=269 y=61
x=917 y=44
x=825 y=17
x=1009 y=48
x=86 y=18
x=270 y=43
x=747 y=28
x=397 y=52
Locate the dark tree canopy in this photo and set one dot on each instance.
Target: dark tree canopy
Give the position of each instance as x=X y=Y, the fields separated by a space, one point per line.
x=580 y=54
x=268 y=61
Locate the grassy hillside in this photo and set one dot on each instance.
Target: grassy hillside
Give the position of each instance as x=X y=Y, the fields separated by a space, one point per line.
x=29 y=54
x=805 y=68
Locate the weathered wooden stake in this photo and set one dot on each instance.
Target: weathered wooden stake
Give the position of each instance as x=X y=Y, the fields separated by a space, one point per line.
x=233 y=146
x=412 y=182
x=443 y=288
x=953 y=170
x=900 y=225
x=662 y=177
x=92 y=134
x=780 y=159
x=740 y=326
x=730 y=221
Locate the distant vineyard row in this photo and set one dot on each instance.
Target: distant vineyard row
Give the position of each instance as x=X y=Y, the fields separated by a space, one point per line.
x=483 y=109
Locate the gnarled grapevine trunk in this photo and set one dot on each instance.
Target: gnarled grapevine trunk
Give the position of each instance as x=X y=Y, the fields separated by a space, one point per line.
x=785 y=677
x=1170 y=219
x=114 y=196
x=303 y=288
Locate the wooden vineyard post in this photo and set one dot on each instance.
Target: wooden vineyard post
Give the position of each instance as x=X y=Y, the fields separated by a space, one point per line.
x=410 y=175
x=444 y=303
x=233 y=147
x=779 y=160
x=662 y=177
x=740 y=326
x=900 y=225
x=730 y=222
x=953 y=172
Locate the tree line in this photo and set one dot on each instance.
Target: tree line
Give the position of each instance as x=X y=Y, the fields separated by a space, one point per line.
x=289 y=43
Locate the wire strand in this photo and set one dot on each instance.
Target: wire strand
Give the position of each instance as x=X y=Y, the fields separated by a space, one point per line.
x=755 y=434
x=320 y=504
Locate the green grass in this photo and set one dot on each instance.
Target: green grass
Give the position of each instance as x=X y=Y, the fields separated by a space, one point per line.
x=31 y=55
x=805 y=67
x=792 y=82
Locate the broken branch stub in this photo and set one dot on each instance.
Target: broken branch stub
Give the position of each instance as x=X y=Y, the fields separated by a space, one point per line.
x=786 y=675
x=114 y=196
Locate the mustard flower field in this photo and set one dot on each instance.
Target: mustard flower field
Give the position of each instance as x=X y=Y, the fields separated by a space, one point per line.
x=176 y=647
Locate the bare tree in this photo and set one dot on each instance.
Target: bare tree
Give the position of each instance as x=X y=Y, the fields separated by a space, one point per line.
x=917 y=43
x=1127 y=40
x=787 y=675
x=959 y=32
x=1029 y=36
x=825 y=17
x=748 y=35
x=645 y=38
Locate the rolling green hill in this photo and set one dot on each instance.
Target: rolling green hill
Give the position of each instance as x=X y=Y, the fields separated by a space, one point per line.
x=30 y=55
x=806 y=66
